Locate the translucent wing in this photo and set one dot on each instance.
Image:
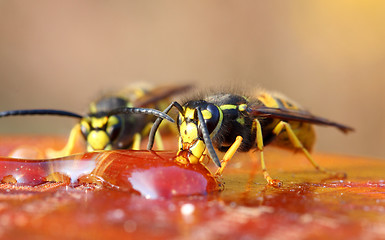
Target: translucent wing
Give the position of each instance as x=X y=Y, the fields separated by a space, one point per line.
x=160 y=93
x=295 y=115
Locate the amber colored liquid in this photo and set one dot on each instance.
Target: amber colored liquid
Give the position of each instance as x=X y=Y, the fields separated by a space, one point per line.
x=150 y=174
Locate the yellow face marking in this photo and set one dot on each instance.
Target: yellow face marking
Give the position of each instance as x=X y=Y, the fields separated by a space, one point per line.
x=182 y=118
x=197 y=151
x=98 y=140
x=98 y=122
x=188 y=132
x=190 y=153
x=191 y=149
x=189 y=113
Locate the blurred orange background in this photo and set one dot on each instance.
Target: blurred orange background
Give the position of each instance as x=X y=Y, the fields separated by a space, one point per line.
x=327 y=55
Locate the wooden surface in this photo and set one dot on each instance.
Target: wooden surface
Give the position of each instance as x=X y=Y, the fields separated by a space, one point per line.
x=308 y=206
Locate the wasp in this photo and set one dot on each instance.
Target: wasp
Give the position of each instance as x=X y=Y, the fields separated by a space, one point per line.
x=123 y=131
x=230 y=123
x=117 y=121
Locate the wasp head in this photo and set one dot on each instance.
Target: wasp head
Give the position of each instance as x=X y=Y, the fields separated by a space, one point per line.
x=99 y=128
x=195 y=131
x=100 y=131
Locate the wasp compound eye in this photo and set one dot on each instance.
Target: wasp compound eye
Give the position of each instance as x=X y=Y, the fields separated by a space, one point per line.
x=85 y=127
x=211 y=116
x=114 y=126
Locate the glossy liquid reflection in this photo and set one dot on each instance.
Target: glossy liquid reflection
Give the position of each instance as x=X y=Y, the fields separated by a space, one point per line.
x=150 y=174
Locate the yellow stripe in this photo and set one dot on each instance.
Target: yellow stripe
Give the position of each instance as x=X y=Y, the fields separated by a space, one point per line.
x=228 y=106
x=189 y=113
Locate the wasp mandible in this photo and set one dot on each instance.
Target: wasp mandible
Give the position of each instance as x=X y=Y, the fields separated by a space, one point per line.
x=231 y=122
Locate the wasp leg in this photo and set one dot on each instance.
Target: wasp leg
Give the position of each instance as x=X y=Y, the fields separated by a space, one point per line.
x=68 y=148
x=136 y=141
x=266 y=175
x=253 y=171
x=229 y=154
x=159 y=141
x=203 y=160
x=157 y=138
x=138 y=138
x=297 y=144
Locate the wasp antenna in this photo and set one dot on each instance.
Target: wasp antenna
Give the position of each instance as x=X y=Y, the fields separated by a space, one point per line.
x=206 y=138
x=179 y=107
x=344 y=129
x=148 y=111
x=39 y=112
x=158 y=121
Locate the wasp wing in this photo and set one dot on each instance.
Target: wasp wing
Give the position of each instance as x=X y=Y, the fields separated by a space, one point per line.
x=295 y=115
x=160 y=93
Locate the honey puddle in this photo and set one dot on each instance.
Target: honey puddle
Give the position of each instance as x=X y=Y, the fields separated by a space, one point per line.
x=150 y=174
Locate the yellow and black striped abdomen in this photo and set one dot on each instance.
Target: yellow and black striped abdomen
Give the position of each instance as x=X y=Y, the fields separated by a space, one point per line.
x=303 y=130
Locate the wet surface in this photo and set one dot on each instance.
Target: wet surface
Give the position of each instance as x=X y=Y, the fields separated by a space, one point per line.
x=149 y=174
x=115 y=204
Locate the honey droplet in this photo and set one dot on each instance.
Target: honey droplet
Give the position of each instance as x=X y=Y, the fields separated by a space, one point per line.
x=58 y=177
x=9 y=179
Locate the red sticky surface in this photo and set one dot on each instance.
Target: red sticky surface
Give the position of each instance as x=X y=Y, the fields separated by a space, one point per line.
x=149 y=174
x=110 y=202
